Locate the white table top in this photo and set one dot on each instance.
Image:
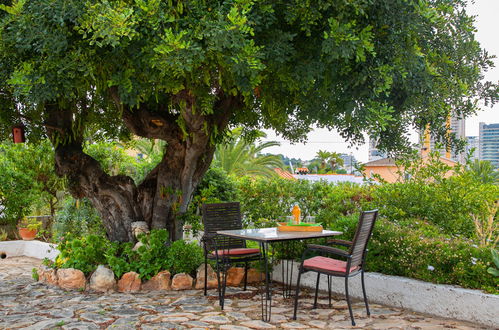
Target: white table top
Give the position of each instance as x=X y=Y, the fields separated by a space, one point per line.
x=272 y=235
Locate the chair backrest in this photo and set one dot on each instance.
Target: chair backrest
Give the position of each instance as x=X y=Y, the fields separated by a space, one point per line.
x=222 y=216
x=362 y=235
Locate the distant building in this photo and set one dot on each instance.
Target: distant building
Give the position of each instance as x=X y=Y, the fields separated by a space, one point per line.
x=385 y=168
x=473 y=144
x=374 y=153
x=456 y=126
x=489 y=143
x=349 y=162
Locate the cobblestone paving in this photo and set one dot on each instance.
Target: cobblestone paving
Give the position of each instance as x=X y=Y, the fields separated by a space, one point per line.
x=31 y=305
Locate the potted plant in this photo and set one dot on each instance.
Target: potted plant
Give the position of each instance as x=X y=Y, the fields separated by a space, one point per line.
x=28 y=228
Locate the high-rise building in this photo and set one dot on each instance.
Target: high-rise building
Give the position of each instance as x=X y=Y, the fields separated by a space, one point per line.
x=473 y=144
x=456 y=126
x=374 y=153
x=349 y=162
x=489 y=143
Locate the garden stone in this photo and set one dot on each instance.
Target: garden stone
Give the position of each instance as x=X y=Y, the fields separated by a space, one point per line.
x=102 y=280
x=215 y=319
x=160 y=281
x=137 y=246
x=80 y=326
x=196 y=308
x=129 y=282
x=198 y=324
x=233 y=327
x=318 y=324
x=255 y=276
x=161 y=325
x=294 y=325
x=212 y=282
x=96 y=317
x=182 y=281
x=257 y=324
x=139 y=227
x=49 y=324
x=47 y=275
x=238 y=316
x=235 y=276
x=184 y=301
x=125 y=323
x=70 y=278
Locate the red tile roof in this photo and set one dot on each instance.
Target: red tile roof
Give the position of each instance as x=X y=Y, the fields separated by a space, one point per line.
x=284 y=174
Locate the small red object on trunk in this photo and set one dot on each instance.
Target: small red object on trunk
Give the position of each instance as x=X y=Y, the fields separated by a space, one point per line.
x=18 y=134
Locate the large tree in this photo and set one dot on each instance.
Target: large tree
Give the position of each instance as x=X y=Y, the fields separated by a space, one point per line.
x=186 y=71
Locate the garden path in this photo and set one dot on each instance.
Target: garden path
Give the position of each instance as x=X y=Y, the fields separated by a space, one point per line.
x=31 y=305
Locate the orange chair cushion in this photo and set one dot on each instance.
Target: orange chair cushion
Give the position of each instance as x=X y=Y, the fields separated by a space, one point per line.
x=240 y=252
x=327 y=264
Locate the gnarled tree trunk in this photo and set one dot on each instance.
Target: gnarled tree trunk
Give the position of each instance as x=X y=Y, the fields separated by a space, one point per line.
x=165 y=193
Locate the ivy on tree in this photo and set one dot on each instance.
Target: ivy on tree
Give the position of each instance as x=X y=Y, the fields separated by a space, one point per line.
x=187 y=71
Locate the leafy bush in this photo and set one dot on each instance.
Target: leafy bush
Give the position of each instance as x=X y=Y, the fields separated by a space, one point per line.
x=397 y=250
x=84 y=253
x=152 y=256
x=184 y=257
x=28 y=182
x=148 y=260
x=265 y=200
x=77 y=218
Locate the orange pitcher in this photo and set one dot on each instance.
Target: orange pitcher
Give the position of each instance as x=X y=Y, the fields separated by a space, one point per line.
x=296 y=214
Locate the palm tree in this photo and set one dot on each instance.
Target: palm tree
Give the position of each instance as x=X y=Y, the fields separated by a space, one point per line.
x=241 y=157
x=323 y=156
x=484 y=171
x=332 y=158
x=335 y=160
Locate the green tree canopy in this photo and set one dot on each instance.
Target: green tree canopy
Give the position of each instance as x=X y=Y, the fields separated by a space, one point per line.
x=186 y=71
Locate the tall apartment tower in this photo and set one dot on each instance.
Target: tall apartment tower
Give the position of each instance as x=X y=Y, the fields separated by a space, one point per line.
x=473 y=144
x=456 y=126
x=489 y=143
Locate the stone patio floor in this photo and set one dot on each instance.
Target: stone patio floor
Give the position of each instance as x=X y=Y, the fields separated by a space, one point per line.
x=27 y=304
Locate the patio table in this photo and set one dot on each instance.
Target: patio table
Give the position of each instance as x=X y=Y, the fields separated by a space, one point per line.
x=264 y=237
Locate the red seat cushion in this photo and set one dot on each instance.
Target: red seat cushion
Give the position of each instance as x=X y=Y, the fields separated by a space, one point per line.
x=327 y=264
x=240 y=252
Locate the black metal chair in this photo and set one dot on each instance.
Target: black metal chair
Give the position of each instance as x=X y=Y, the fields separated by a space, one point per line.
x=225 y=250
x=354 y=264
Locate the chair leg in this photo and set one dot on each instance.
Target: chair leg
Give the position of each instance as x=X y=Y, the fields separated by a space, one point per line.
x=297 y=291
x=245 y=275
x=219 y=286
x=205 y=275
x=364 y=292
x=329 y=290
x=224 y=286
x=316 y=289
x=348 y=300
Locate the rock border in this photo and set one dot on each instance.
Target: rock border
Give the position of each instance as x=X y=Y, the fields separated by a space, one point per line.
x=103 y=279
x=441 y=300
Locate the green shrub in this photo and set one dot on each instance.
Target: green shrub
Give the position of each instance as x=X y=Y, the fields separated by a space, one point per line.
x=398 y=250
x=77 y=218
x=148 y=260
x=265 y=200
x=184 y=257
x=84 y=253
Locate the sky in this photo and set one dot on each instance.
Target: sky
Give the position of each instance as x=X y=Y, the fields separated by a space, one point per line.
x=321 y=139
